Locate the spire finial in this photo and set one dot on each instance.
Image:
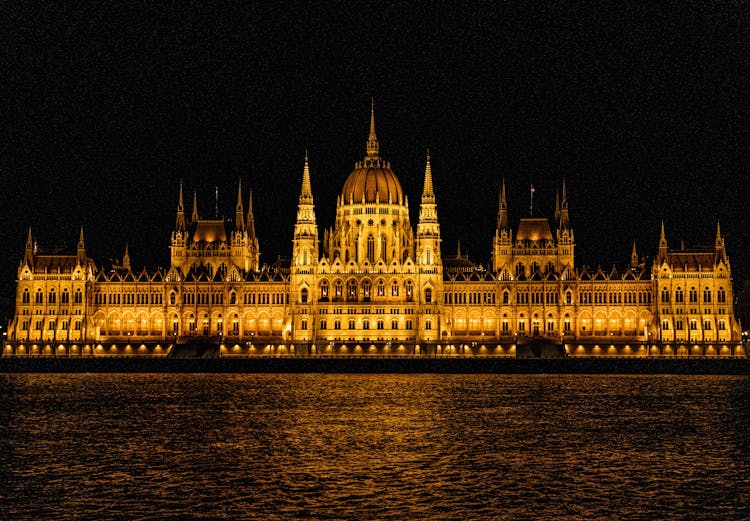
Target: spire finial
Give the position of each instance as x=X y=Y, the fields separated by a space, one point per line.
x=531 y=205
x=718 y=230
x=250 y=216
x=239 y=216
x=126 y=258
x=634 y=257
x=373 y=147
x=194 y=217
x=180 y=221
x=502 y=209
x=305 y=195
x=458 y=249
x=428 y=191
x=81 y=254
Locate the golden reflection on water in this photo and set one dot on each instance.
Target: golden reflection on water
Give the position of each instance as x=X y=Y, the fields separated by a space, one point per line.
x=374 y=446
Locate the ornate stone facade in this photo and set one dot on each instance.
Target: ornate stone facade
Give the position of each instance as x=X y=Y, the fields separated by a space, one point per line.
x=374 y=286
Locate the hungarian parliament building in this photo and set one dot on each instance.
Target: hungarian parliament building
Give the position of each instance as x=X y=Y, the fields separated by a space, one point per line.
x=374 y=285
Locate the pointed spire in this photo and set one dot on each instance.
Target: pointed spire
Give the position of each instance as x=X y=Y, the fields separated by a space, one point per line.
x=126 y=258
x=719 y=246
x=305 y=196
x=195 y=217
x=428 y=192
x=634 y=257
x=564 y=215
x=502 y=209
x=28 y=255
x=373 y=147
x=662 y=236
x=557 y=206
x=180 y=221
x=239 y=217
x=662 y=255
x=531 y=201
x=81 y=250
x=458 y=249
x=250 y=217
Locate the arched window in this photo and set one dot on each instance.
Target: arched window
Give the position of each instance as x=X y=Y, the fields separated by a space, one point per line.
x=693 y=295
x=26 y=299
x=339 y=291
x=409 y=290
x=172 y=298
x=679 y=296
x=383 y=248
x=232 y=298
x=721 y=296
x=39 y=297
x=324 y=289
x=394 y=289
x=366 y=289
x=706 y=295
x=303 y=295
x=351 y=290
x=52 y=298
x=665 y=295
x=65 y=297
x=568 y=297
x=506 y=297
x=428 y=295
x=381 y=288
x=371 y=249
x=78 y=299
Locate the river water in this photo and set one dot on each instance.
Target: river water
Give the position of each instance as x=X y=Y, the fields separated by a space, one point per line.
x=338 y=446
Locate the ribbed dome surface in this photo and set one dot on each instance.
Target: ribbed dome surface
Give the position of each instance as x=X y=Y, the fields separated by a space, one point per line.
x=373 y=180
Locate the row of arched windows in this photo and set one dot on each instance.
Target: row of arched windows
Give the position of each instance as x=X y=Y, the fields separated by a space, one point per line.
x=353 y=292
x=679 y=295
x=51 y=297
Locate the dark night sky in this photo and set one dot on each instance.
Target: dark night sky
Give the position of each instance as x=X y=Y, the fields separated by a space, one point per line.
x=644 y=110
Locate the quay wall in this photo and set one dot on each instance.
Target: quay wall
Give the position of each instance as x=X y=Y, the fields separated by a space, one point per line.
x=728 y=366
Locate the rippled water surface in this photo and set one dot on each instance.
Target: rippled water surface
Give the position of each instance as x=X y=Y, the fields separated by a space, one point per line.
x=374 y=447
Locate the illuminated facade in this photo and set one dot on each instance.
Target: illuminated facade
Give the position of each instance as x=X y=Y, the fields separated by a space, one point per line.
x=375 y=285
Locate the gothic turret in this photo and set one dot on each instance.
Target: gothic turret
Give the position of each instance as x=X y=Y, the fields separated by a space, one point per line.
x=239 y=214
x=634 y=257
x=428 y=257
x=503 y=242
x=305 y=244
x=81 y=250
x=28 y=256
x=126 y=258
x=662 y=255
x=180 y=222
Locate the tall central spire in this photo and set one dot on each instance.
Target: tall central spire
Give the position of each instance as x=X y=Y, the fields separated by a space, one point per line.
x=373 y=147
x=305 y=196
x=428 y=195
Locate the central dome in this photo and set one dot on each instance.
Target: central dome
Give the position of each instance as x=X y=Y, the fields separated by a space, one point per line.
x=372 y=180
